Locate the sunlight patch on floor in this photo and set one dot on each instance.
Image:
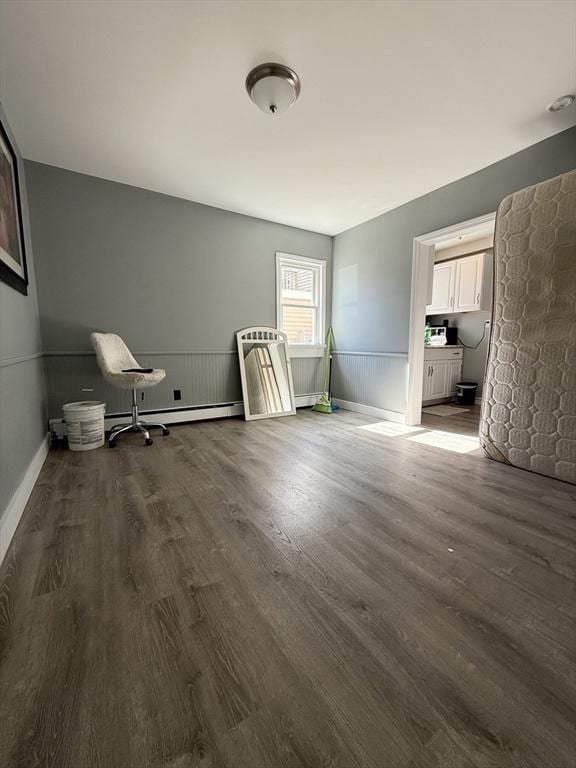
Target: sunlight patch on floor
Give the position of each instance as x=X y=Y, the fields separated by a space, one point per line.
x=449 y=441
x=436 y=438
x=390 y=428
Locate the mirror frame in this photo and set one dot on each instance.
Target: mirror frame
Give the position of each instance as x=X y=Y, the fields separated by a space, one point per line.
x=254 y=335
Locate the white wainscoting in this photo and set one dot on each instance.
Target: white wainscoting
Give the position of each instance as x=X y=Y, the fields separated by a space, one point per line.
x=205 y=379
x=370 y=410
x=371 y=380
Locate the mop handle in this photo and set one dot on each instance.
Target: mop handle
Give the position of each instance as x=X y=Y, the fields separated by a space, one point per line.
x=327 y=357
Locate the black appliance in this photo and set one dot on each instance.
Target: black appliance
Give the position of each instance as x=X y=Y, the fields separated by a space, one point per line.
x=451 y=333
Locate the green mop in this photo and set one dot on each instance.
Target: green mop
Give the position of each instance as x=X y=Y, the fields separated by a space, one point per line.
x=324 y=402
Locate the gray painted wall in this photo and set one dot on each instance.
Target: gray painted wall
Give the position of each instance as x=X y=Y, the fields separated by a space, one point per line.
x=165 y=273
x=169 y=275
x=372 y=263
x=175 y=276
x=22 y=400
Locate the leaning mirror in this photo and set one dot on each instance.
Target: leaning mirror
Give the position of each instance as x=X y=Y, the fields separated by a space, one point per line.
x=265 y=371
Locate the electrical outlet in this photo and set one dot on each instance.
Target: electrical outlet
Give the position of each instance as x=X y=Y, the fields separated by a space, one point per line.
x=177 y=394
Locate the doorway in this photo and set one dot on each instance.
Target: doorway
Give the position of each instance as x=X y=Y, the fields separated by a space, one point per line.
x=426 y=250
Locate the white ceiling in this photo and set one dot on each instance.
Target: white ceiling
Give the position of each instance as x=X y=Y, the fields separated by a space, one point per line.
x=398 y=98
x=469 y=241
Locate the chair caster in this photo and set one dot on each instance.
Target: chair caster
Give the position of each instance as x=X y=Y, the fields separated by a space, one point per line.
x=165 y=432
x=148 y=441
x=112 y=445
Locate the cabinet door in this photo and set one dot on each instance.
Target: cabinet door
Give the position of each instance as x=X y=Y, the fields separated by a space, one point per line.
x=427 y=376
x=442 y=288
x=438 y=379
x=454 y=375
x=468 y=284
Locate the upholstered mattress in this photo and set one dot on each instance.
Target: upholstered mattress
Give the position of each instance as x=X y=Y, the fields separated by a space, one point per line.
x=529 y=402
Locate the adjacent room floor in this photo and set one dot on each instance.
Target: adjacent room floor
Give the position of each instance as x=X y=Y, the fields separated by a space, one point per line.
x=308 y=591
x=463 y=419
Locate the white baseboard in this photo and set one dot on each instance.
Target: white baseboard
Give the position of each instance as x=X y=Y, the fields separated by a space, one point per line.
x=183 y=415
x=13 y=513
x=303 y=401
x=180 y=415
x=370 y=410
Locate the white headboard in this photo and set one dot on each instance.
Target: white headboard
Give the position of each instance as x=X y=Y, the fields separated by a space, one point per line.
x=261 y=333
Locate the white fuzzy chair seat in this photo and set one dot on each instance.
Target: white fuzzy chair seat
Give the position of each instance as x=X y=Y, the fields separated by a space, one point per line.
x=114 y=358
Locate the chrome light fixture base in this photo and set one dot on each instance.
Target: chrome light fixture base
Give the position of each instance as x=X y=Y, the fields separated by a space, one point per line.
x=267 y=101
x=561 y=103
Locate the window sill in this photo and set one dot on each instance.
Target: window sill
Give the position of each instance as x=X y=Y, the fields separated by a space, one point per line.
x=306 y=350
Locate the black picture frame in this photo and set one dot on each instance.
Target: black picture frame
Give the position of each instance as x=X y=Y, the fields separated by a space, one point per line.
x=9 y=275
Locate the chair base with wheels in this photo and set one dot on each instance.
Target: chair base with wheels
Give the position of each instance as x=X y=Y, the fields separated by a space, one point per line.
x=136 y=425
x=120 y=369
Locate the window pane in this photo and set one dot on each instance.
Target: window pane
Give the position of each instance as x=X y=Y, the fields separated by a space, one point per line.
x=297 y=286
x=298 y=323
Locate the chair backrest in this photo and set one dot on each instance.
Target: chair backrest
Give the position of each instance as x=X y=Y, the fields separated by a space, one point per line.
x=112 y=354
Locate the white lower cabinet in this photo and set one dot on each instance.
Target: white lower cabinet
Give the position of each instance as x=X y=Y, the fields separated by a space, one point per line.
x=454 y=375
x=442 y=371
x=437 y=378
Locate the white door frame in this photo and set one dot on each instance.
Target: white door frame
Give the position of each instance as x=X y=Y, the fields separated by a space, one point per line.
x=422 y=271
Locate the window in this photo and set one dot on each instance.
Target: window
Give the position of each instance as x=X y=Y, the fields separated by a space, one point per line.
x=300 y=292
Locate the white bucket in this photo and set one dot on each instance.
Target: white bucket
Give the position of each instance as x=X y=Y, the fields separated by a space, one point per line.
x=85 y=424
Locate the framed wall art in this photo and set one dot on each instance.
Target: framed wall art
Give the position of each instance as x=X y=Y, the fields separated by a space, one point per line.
x=12 y=248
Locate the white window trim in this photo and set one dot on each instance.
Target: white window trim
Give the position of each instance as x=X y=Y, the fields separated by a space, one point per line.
x=291 y=259
x=306 y=350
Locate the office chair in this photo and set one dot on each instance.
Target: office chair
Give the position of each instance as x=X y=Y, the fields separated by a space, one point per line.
x=120 y=369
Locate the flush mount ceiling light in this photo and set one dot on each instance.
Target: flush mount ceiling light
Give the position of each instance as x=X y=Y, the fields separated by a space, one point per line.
x=273 y=87
x=561 y=103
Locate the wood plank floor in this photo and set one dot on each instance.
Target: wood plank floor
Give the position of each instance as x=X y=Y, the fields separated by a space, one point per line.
x=464 y=422
x=308 y=591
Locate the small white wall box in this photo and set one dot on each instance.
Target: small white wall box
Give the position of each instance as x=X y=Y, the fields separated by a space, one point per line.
x=58 y=430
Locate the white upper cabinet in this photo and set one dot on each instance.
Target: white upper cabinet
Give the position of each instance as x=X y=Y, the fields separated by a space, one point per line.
x=468 y=288
x=442 y=288
x=460 y=285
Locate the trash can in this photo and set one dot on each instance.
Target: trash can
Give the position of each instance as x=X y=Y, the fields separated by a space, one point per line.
x=466 y=392
x=85 y=424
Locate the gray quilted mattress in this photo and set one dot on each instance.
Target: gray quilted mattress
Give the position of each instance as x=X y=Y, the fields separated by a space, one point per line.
x=529 y=402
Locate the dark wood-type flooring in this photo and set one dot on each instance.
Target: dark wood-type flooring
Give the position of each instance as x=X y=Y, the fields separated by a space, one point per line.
x=288 y=593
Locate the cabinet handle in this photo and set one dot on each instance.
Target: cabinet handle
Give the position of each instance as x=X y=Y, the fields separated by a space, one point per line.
x=451 y=301
x=477 y=298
